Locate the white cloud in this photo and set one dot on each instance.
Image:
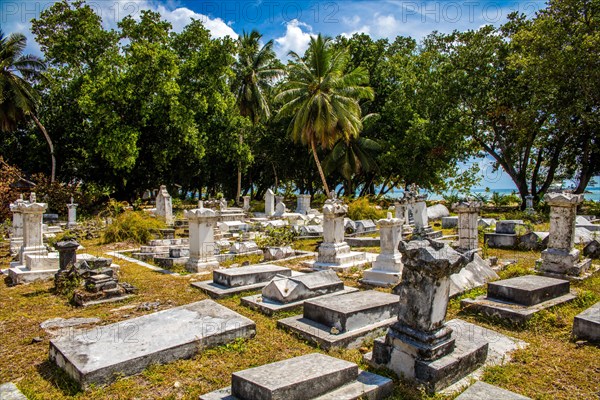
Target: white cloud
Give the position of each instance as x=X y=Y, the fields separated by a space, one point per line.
x=180 y=17
x=363 y=29
x=295 y=39
x=386 y=25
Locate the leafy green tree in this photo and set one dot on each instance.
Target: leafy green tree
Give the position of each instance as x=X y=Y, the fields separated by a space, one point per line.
x=322 y=98
x=255 y=70
x=19 y=100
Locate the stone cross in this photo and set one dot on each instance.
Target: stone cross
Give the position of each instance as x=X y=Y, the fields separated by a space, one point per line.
x=32 y=228
x=246 y=203
x=333 y=244
x=71 y=214
x=269 y=203
x=387 y=267
x=561 y=257
x=468 y=219
x=164 y=205
x=202 y=223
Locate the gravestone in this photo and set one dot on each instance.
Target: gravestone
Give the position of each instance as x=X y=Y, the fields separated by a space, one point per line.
x=387 y=267
x=586 y=325
x=202 y=243
x=468 y=217
x=303 y=204
x=164 y=205
x=309 y=377
x=246 y=206
x=71 y=214
x=279 y=207
x=484 y=391
x=416 y=208
x=420 y=346
x=104 y=353
x=529 y=204
x=16 y=235
x=561 y=258
x=505 y=235
x=269 y=203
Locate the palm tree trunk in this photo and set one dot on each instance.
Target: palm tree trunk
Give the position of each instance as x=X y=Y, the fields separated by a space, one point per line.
x=314 y=151
x=239 y=174
x=50 y=145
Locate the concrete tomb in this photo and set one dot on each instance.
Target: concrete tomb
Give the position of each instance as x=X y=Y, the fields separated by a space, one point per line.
x=230 y=281
x=437 y=211
x=245 y=247
x=309 y=377
x=561 y=258
x=102 y=354
x=164 y=205
x=345 y=320
x=476 y=273
x=202 y=243
x=365 y=226
x=278 y=253
x=586 y=325
x=484 y=391
x=519 y=299
x=505 y=236
x=387 y=267
x=420 y=345
x=9 y=391
x=269 y=203
x=287 y=293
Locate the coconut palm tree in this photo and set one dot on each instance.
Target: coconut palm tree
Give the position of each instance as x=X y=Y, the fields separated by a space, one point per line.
x=322 y=98
x=255 y=70
x=19 y=101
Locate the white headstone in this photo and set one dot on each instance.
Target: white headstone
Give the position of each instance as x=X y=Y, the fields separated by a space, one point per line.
x=269 y=203
x=71 y=214
x=32 y=228
x=164 y=205
x=387 y=267
x=202 y=243
x=246 y=203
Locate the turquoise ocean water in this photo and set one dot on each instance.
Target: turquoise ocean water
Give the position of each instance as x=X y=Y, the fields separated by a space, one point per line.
x=591 y=193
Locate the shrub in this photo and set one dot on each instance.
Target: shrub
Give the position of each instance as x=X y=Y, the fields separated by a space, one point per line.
x=274 y=237
x=135 y=226
x=451 y=198
x=362 y=209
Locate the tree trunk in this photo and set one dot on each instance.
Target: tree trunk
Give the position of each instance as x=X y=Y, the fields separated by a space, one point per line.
x=314 y=151
x=239 y=174
x=50 y=145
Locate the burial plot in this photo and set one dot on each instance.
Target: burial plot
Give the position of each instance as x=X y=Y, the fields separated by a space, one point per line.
x=345 y=320
x=485 y=391
x=288 y=293
x=102 y=354
x=309 y=377
x=586 y=325
x=505 y=236
x=518 y=299
x=230 y=281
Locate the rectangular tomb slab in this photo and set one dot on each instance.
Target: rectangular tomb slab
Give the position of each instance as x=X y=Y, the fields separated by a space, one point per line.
x=249 y=275
x=586 y=325
x=484 y=391
x=353 y=310
x=528 y=290
x=99 y=355
x=8 y=391
x=298 y=378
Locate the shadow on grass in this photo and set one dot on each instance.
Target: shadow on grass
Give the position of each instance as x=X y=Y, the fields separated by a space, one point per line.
x=39 y=292
x=58 y=378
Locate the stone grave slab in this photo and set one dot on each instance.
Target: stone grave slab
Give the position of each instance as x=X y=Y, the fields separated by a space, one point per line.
x=586 y=325
x=230 y=281
x=518 y=299
x=288 y=293
x=100 y=355
x=364 y=241
x=484 y=391
x=309 y=377
x=344 y=320
x=9 y=391
x=475 y=274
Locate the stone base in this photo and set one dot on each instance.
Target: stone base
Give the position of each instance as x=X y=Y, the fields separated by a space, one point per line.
x=270 y=307
x=501 y=240
x=485 y=391
x=20 y=275
x=475 y=274
x=586 y=325
x=381 y=278
x=170 y=262
x=363 y=241
x=196 y=266
x=351 y=259
x=345 y=320
x=569 y=268
x=101 y=354
x=8 y=391
x=310 y=377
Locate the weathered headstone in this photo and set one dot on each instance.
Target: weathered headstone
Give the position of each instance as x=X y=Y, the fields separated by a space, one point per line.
x=279 y=207
x=269 y=203
x=303 y=204
x=16 y=236
x=561 y=258
x=67 y=253
x=164 y=205
x=387 y=267
x=246 y=206
x=202 y=243
x=468 y=216
x=32 y=228
x=529 y=204
x=71 y=214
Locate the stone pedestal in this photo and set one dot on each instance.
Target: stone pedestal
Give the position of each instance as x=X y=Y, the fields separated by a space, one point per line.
x=420 y=345
x=269 y=203
x=71 y=214
x=16 y=235
x=303 y=204
x=164 y=205
x=67 y=253
x=246 y=206
x=202 y=222
x=561 y=259
x=529 y=204
x=468 y=217
x=387 y=268
x=32 y=229
x=416 y=208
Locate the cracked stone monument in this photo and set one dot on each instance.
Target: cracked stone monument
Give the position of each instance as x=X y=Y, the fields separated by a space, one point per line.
x=269 y=203
x=561 y=259
x=164 y=205
x=416 y=207
x=71 y=214
x=468 y=220
x=421 y=346
x=202 y=223
x=387 y=267
x=34 y=263
x=16 y=236
x=334 y=252
x=303 y=204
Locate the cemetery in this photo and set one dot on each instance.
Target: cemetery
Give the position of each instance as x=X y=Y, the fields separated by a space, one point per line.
x=193 y=209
